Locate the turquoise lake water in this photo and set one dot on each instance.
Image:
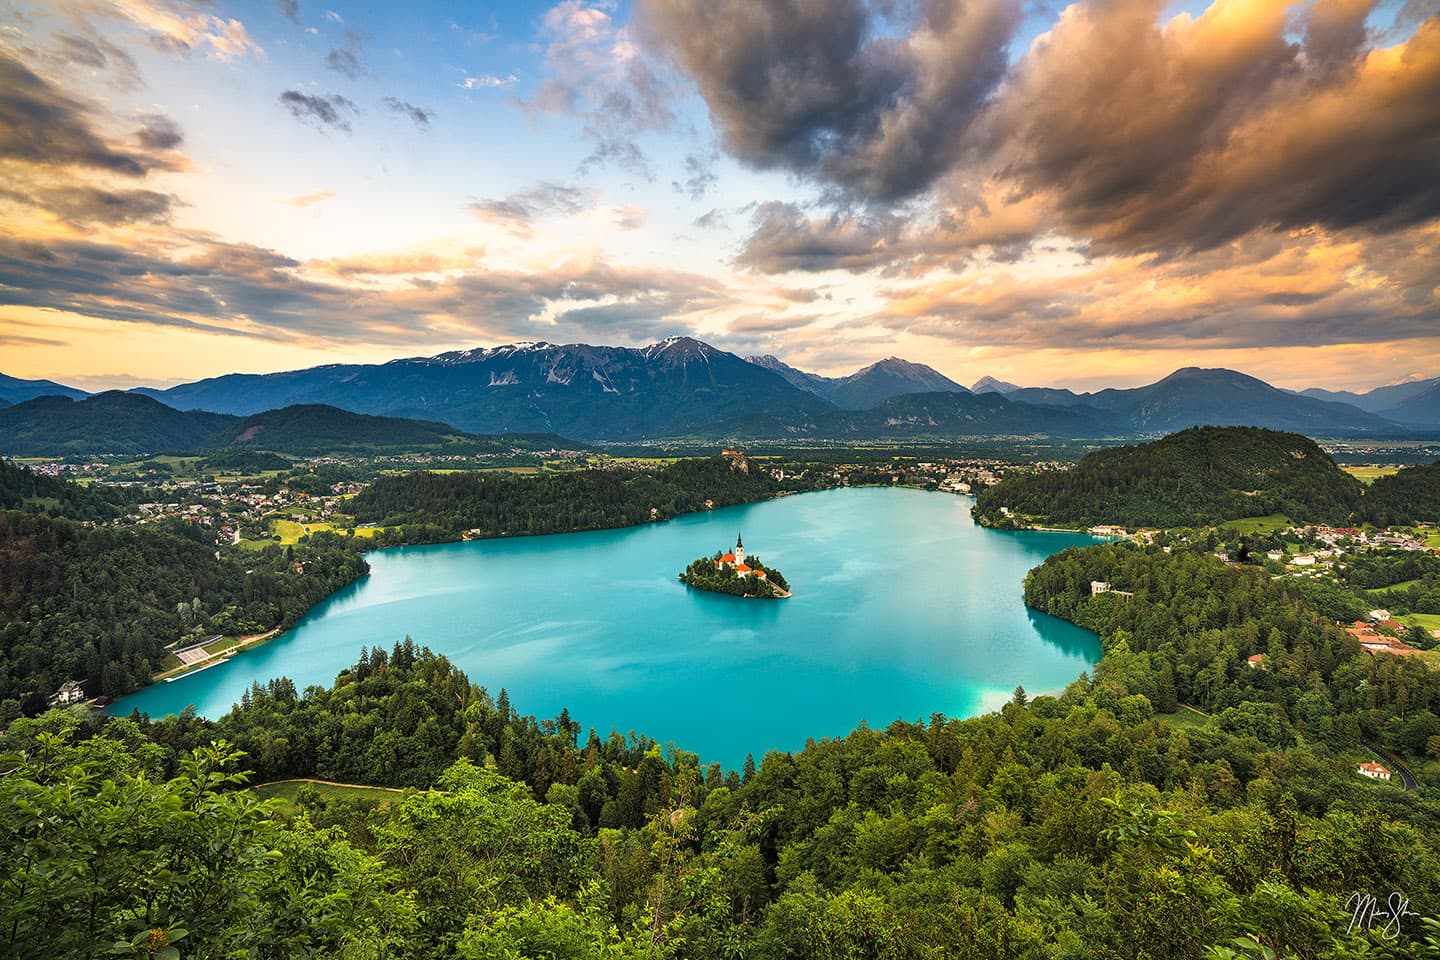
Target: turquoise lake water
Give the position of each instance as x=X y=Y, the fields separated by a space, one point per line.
x=902 y=607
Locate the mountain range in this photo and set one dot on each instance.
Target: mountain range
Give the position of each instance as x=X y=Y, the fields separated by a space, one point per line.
x=1416 y=402
x=1196 y=396
x=684 y=388
x=133 y=424
x=14 y=390
x=867 y=387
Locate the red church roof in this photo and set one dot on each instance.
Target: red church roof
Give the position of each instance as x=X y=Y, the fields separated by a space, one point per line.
x=728 y=558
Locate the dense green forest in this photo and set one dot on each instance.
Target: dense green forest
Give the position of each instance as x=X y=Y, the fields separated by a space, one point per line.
x=99 y=604
x=499 y=504
x=704 y=574
x=1198 y=476
x=315 y=429
x=1411 y=495
x=23 y=489
x=240 y=460
x=1087 y=825
x=1186 y=634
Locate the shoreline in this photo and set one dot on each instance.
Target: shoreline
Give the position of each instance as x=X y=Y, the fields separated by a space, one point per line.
x=219 y=656
x=247 y=643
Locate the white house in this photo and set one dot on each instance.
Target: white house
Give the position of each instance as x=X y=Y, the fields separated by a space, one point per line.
x=70 y=692
x=1373 y=770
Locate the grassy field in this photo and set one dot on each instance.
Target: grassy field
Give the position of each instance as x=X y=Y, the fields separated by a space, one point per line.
x=1430 y=621
x=290 y=532
x=1185 y=717
x=285 y=791
x=1368 y=474
x=1266 y=524
x=1402 y=585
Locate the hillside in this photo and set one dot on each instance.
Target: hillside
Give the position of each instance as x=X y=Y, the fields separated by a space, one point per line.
x=106 y=423
x=1420 y=409
x=948 y=414
x=496 y=504
x=1194 y=396
x=1197 y=476
x=1100 y=822
x=1414 y=401
x=867 y=387
x=14 y=390
x=1407 y=496
x=318 y=430
x=130 y=423
x=98 y=605
x=23 y=489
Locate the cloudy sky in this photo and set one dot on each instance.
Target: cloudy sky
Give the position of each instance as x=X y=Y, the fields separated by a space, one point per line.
x=1081 y=195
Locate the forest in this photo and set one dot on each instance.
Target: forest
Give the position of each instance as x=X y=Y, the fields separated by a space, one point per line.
x=500 y=504
x=1187 y=633
x=1092 y=824
x=100 y=604
x=1200 y=476
x=1407 y=496
x=23 y=489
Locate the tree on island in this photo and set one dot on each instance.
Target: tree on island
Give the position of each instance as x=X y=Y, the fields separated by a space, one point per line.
x=738 y=574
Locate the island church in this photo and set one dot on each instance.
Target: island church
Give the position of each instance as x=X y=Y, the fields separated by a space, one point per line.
x=737 y=561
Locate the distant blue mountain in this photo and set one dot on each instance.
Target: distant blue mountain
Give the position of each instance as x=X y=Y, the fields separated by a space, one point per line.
x=15 y=390
x=869 y=386
x=1415 y=402
x=677 y=387
x=683 y=388
x=1196 y=396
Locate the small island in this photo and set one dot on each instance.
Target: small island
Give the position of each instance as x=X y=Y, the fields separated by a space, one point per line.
x=736 y=574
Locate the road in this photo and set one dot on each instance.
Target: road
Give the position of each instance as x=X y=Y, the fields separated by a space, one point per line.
x=1407 y=779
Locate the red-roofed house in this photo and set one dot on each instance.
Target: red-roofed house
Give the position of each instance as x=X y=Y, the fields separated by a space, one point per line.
x=1256 y=661
x=1373 y=770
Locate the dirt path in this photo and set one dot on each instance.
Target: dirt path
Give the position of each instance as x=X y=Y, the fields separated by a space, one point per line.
x=327 y=783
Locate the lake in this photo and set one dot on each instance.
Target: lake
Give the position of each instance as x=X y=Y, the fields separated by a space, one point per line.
x=902 y=607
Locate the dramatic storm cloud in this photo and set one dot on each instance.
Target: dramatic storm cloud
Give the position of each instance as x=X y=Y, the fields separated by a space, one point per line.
x=829 y=89
x=1210 y=128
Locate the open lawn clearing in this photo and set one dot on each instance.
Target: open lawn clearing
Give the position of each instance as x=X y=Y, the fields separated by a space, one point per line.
x=1266 y=524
